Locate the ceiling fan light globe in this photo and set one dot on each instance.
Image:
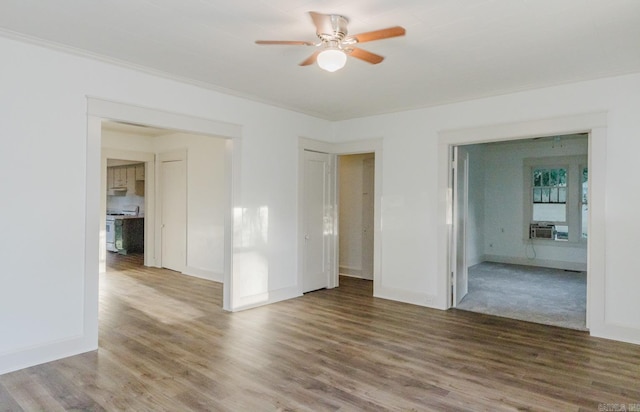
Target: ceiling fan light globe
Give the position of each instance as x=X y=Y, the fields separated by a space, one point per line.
x=332 y=60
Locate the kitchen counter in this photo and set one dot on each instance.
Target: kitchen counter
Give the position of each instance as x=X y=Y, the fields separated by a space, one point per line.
x=129 y=234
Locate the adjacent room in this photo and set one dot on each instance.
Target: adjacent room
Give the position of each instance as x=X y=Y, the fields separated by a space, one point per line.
x=525 y=223
x=167 y=211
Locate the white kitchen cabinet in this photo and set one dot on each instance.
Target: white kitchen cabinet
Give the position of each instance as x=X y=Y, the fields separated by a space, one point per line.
x=131 y=178
x=140 y=172
x=119 y=177
x=110 y=172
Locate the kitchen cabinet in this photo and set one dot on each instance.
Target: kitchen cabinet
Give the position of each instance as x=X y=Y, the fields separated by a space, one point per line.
x=139 y=179
x=119 y=177
x=140 y=172
x=110 y=173
x=139 y=190
x=131 y=178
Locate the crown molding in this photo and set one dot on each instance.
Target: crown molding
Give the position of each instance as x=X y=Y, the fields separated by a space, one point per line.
x=13 y=35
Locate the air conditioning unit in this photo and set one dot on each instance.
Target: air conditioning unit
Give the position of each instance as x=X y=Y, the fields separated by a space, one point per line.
x=541 y=231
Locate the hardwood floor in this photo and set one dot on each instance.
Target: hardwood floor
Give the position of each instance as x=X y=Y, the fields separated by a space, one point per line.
x=166 y=344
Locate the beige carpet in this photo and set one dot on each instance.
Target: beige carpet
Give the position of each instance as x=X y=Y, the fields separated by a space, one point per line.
x=548 y=296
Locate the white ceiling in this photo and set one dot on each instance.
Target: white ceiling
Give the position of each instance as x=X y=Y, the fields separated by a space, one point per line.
x=454 y=50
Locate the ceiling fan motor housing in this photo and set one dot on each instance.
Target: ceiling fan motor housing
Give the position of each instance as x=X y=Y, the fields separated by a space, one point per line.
x=334 y=29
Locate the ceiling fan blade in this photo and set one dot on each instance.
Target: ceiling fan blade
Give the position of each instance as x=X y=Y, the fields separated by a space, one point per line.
x=366 y=56
x=379 y=34
x=285 y=42
x=311 y=59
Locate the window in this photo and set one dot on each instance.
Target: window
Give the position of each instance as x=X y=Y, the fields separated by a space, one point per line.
x=556 y=194
x=550 y=195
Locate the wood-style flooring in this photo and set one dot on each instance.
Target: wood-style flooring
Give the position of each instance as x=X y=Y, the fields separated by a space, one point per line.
x=167 y=345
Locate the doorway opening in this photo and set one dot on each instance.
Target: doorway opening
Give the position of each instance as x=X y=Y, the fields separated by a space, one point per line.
x=319 y=175
x=356 y=211
x=520 y=229
x=100 y=111
x=125 y=209
x=159 y=200
x=127 y=193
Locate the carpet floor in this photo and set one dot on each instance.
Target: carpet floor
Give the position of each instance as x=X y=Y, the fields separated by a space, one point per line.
x=541 y=295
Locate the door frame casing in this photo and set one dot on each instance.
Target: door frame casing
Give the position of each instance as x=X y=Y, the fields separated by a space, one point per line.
x=595 y=124
x=455 y=241
x=367 y=209
x=337 y=149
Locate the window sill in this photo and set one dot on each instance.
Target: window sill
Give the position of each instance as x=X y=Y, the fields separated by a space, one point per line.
x=558 y=243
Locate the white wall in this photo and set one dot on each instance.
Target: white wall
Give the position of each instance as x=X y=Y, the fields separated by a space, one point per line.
x=504 y=194
x=44 y=159
x=350 y=205
x=411 y=244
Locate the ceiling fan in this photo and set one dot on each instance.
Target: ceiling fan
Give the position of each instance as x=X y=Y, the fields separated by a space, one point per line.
x=335 y=44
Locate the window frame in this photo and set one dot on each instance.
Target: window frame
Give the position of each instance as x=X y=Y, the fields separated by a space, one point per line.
x=574 y=166
x=565 y=203
x=582 y=200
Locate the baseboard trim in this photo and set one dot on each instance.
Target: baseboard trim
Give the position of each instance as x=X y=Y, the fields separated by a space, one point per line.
x=355 y=276
x=203 y=274
x=405 y=296
x=14 y=361
x=616 y=332
x=545 y=263
x=354 y=273
x=350 y=271
x=475 y=260
x=261 y=299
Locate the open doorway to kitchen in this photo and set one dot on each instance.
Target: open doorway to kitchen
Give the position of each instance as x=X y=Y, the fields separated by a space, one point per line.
x=150 y=293
x=168 y=211
x=128 y=194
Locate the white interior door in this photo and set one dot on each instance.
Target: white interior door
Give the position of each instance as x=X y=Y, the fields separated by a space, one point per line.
x=173 y=183
x=460 y=211
x=316 y=186
x=368 y=198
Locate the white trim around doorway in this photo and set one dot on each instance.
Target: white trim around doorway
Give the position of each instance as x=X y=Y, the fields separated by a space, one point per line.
x=595 y=124
x=99 y=110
